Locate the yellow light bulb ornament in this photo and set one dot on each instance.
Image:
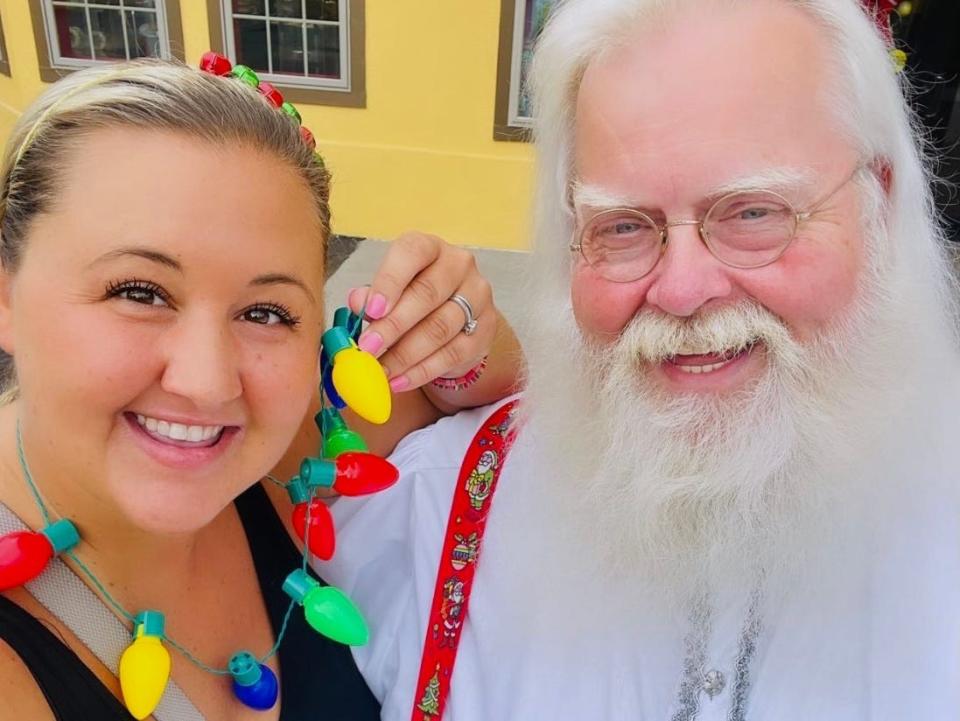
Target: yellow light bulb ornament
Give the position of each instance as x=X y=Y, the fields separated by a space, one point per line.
x=357 y=376
x=145 y=666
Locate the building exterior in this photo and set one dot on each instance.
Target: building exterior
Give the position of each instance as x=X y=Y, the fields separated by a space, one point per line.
x=416 y=106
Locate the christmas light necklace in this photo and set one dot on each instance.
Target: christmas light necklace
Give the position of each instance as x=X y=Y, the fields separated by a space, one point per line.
x=344 y=466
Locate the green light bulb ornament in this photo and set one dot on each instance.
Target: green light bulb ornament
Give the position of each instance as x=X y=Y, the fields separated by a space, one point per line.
x=337 y=437
x=327 y=609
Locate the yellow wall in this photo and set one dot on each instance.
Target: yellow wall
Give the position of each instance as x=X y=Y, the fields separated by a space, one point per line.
x=420 y=155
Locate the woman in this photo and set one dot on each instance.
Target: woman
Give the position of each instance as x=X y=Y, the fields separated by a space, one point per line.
x=163 y=247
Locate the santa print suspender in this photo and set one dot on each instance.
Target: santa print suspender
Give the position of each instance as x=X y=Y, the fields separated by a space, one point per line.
x=458 y=561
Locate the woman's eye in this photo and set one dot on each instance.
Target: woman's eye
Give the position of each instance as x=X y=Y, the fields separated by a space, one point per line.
x=268 y=315
x=140 y=293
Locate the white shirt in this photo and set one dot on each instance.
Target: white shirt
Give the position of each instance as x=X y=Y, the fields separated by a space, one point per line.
x=882 y=643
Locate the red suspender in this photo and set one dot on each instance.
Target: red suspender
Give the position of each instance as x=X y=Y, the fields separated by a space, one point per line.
x=461 y=549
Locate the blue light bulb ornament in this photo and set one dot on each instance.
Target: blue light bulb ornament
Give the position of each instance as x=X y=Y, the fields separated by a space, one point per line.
x=329 y=389
x=254 y=684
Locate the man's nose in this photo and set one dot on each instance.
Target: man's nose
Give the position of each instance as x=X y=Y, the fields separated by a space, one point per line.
x=202 y=362
x=687 y=276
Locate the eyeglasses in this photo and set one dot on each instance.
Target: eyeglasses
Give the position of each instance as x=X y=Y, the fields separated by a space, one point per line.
x=745 y=229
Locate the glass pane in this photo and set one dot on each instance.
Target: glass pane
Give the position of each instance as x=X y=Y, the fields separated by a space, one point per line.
x=250 y=41
x=323 y=51
x=72 y=37
x=140 y=3
x=109 y=2
x=107 y=26
x=323 y=9
x=249 y=7
x=535 y=17
x=143 y=35
x=286 y=9
x=286 y=44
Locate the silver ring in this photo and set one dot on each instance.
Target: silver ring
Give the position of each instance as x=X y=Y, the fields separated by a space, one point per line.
x=470 y=326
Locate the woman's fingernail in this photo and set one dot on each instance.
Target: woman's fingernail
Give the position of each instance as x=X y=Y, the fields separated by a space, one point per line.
x=376 y=306
x=399 y=383
x=371 y=342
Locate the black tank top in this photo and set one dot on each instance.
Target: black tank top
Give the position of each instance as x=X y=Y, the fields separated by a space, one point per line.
x=319 y=677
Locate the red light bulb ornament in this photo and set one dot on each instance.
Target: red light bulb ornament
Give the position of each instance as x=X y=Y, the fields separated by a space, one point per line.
x=357 y=376
x=322 y=539
x=25 y=554
x=351 y=474
x=327 y=609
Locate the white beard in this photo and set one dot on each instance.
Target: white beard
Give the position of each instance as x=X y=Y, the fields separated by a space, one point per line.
x=664 y=496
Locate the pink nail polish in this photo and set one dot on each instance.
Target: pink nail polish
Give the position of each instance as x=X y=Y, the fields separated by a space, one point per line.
x=371 y=342
x=399 y=383
x=377 y=306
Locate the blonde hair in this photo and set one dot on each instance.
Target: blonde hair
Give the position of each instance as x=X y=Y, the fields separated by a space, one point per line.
x=150 y=94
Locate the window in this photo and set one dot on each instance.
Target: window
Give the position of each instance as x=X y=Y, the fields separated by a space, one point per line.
x=4 y=59
x=72 y=34
x=521 y=22
x=298 y=45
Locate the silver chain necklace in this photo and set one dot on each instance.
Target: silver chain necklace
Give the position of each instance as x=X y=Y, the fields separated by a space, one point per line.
x=696 y=680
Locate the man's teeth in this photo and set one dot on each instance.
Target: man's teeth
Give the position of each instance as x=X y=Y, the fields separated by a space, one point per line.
x=702 y=369
x=178 y=431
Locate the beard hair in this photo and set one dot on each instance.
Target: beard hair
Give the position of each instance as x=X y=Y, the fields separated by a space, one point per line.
x=666 y=495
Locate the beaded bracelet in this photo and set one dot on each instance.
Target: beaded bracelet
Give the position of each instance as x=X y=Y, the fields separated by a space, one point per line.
x=464 y=381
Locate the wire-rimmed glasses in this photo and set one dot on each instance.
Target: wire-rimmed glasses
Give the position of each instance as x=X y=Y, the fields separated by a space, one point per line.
x=743 y=229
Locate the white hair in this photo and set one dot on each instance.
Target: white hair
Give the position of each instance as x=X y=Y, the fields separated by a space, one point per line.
x=871 y=107
x=621 y=489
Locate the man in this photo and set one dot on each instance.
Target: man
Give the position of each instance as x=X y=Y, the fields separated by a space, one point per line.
x=734 y=493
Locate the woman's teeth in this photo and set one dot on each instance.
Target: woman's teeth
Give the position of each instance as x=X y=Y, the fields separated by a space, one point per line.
x=178 y=431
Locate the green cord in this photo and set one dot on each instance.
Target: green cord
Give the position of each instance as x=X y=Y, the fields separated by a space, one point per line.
x=120 y=609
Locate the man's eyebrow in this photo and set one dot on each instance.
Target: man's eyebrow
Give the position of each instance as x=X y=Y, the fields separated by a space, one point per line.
x=282 y=279
x=779 y=180
x=593 y=196
x=154 y=256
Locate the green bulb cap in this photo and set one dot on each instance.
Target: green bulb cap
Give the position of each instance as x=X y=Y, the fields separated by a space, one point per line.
x=244 y=668
x=298 y=491
x=330 y=421
x=335 y=340
x=149 y=623
x=62 y=535
x=315 y=472
x=298 y=584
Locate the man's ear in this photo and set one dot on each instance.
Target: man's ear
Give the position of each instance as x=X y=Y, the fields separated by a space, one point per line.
x=883 y=169
x=6 y=311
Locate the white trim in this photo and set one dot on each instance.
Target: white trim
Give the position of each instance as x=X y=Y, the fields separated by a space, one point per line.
x=516 y=60
x=53 y=39
x=342 y=84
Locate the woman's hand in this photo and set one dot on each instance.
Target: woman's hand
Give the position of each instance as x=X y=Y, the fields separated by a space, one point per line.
x=415 y=330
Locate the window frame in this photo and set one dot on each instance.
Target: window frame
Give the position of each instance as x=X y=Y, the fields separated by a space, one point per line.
x=350 y=91
x=4 y=56
x=507 y=125
x=51 y=69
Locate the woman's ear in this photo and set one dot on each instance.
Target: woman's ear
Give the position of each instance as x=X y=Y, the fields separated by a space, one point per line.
x=6 y=311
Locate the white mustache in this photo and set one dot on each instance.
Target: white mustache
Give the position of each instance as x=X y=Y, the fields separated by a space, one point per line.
x=654 y=337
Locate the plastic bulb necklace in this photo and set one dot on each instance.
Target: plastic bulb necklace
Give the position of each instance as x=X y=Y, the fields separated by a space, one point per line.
x=144 y=667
